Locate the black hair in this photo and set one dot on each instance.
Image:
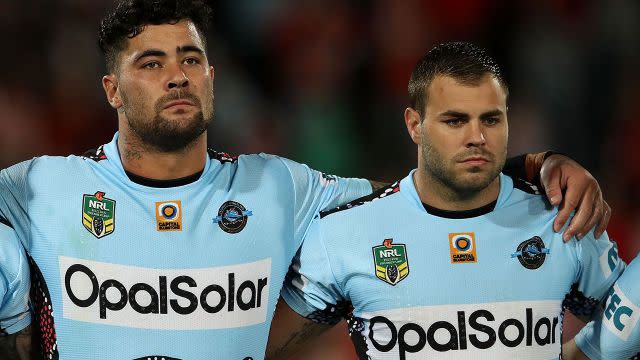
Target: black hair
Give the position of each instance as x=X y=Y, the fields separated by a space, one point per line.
x=462 y=61
x=129 y=17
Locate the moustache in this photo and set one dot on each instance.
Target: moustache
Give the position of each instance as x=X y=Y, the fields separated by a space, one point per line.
x=181 y=95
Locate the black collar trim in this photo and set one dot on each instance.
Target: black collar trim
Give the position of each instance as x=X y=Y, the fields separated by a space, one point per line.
x=5 y=222
x=464 y=214
x=163 y=183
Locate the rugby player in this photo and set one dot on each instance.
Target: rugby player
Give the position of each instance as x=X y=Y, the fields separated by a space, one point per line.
x=456 y=260
x=157 y=245
x=615 y=332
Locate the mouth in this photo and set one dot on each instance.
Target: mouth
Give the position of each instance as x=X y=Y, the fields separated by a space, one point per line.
x=475 y=161
x=178 y=103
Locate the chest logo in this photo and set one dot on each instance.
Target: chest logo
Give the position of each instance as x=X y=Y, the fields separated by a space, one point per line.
x=462 y=247
x=98 y=214
x=391 y=263
x=169 y=215
x=232 y=217
x=531 y=253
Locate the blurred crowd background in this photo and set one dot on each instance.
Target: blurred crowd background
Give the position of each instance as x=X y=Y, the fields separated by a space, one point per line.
x=324 y=82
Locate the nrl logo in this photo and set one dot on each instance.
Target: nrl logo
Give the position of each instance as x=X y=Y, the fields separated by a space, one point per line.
x=98 y=214
x=392 y=265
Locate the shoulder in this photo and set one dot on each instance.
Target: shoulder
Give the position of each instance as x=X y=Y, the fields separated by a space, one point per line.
x=365 y=201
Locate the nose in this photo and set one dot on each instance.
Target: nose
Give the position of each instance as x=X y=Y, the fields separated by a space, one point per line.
x=177 y=79
x=475 y=134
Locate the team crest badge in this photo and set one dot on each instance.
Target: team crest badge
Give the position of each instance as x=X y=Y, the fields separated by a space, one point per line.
x=232 y=217
x=392 y=265
x=531 y=253
x=98 y=214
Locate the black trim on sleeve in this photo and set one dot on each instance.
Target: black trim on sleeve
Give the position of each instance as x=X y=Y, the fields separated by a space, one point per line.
x=378 y=194
x=578 y=303
x=5 y=222
x=515 y=167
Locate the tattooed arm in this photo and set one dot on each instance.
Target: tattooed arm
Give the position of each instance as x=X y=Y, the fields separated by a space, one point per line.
x=19 y=346
x=290 y=333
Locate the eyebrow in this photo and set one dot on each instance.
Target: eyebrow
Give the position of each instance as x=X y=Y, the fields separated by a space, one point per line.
x=459 y=114
x=149 y=53
x=160 y=53
x=189 y=48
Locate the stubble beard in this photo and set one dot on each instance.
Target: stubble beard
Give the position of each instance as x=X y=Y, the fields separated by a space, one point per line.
x=463 y=185
x=166 y=135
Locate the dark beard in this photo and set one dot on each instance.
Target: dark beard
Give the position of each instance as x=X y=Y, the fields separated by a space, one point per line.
x=436 y=166
x=165 y=135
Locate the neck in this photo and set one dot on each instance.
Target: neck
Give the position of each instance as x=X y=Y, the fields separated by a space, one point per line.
x=144 y=161
x=438 y=195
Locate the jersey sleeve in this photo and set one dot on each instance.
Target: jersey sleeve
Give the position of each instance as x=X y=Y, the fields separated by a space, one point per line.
x=316 y=191
x=13 y=198
x=14 y=283
x=599 y=268
x=615 y=332
x=310 y=288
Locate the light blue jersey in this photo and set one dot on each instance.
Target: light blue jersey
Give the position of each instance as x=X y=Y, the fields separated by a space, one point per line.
x=14 y=283
x=615 y=333
x=125 y=270
x=489 y=283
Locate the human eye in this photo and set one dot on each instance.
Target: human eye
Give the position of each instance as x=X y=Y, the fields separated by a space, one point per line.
x=151 y=65
x=191 y=61
x=491 y=121
x=454 y=122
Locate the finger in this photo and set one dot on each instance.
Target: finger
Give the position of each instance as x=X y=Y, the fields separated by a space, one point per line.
x=552 y=187
x=604 y=221
x=579 y=220
x=567 y=205
x=596 y=215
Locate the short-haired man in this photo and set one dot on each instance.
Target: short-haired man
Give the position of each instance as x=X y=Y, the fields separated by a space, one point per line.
x=456 y=260
x=151 y=245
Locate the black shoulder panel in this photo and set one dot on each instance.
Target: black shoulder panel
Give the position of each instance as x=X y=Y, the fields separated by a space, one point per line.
x=223 y=157
x=526 y=186
x=379 y=194
x=95 y=154
x=5 y=222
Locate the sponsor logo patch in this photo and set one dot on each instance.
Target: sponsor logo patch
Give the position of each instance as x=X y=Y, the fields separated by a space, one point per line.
x=462 y=247
x=621 y=314
x=170 y=299
x=169 y=215
x=98 y=214
x=531 y=253
x=609 y=259
x=232 y=217
x=391 y=263
x=500 y=330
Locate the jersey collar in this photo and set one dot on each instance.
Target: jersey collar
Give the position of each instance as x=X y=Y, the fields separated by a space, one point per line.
x=408 y=189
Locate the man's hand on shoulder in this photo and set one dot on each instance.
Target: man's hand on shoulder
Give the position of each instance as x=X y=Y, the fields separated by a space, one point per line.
x=572 y=187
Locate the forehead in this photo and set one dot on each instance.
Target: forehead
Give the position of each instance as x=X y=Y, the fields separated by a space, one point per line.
x=448 y=93
x=165 y=37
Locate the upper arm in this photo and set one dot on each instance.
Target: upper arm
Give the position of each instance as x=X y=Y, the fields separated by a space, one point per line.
x=600 y=266
x=310 y=287
x=13 y=196
x=20 y=346
x=14 y=283
x=290 y=332
x=316 y=191
x=615 y=332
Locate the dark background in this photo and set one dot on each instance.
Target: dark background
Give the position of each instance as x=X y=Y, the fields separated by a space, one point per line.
x=324 y=82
